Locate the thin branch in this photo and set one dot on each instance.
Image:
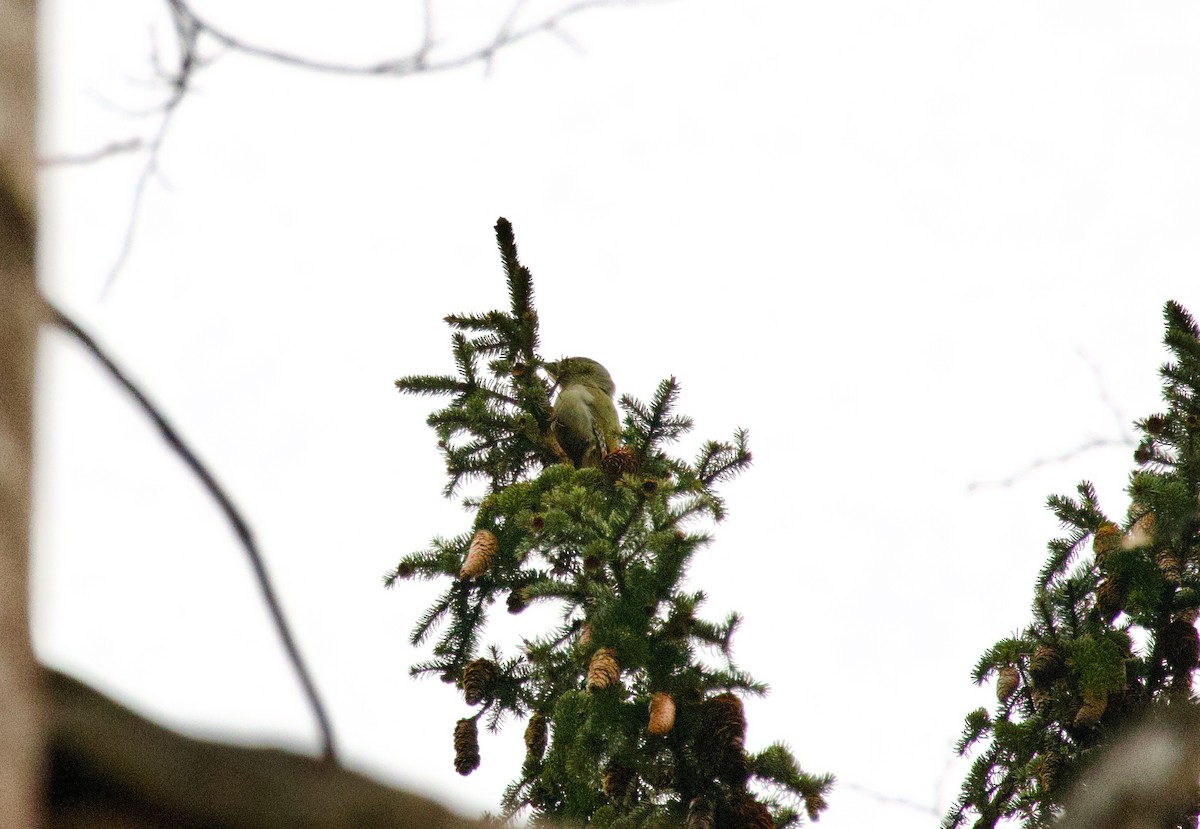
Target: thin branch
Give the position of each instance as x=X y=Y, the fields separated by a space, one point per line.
x=192 y=31
x=110 y=150
x=1121 y=421
x=187 y=34
x=1124 y=436
x=409 y=64
x=240 y=527
x=891 y=800
x=139 y=198
x=1070 y=454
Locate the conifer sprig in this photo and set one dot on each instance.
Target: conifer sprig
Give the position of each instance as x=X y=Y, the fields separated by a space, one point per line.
x=1076 y=675
x=609 y=549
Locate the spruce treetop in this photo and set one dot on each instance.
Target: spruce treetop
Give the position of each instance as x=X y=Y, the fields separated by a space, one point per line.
x=632 y=701
x=1113 y=637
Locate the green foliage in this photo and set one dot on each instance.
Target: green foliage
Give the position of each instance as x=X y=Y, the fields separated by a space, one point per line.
x=1080 y=678
x=609 y=548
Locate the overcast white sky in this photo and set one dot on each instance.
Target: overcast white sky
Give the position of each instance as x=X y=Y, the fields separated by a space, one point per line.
x=891 y=240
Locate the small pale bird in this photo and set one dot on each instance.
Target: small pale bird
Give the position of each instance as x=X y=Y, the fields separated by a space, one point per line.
x=585 y=419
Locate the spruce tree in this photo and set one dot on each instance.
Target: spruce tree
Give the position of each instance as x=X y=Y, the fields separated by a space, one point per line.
x=625 y=724
x=1113 y=637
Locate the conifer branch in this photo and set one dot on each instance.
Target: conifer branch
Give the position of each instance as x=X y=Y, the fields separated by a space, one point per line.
x=605 y=548
x=1077 y=676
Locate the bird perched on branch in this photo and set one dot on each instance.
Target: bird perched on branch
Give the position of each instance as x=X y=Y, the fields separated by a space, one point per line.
x=585 y=420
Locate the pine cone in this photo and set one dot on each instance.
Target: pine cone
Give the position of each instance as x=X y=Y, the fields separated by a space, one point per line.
x=1107 y=538
x=753 y=815
x=478 y=679
x=466 y=747
x=726 y=720
x=535 y=735
x=619 y=461
x=1181 y=646
x=701 y=814
x=1169 y=565
x=517 y=600
x=662 y=714
x=1144 y=453
x=617 y=778
x=1092 y=709
x=1040 y=696
x=1048 y=768
x=585 y=635
x=814 y=804
x=479 y=554
x=1007 y=683
x=723 y=724
x=1045 y=666
x=1110 y=598
x=603 y=669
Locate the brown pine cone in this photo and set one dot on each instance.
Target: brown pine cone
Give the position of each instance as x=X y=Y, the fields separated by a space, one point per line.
x=478 y=680
x=753 y=815
x=1007 y=682
x=479 y=555
x=466 y=747
x=603 y=669
x=1181 y=646
x=617 y=778
x=619 y=461
x=662 y=713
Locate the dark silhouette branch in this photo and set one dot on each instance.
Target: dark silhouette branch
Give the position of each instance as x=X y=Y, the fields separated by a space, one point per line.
x=240 y=527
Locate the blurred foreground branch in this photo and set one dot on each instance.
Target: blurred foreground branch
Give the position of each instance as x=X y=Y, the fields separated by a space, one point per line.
x=20 y=680
x=1146 y=781
x=112 y=769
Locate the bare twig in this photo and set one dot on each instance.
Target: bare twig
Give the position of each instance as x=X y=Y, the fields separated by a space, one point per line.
x=1119 y=418
x=110 y=150
x=187 y=35
x=1070 y=454
x=1124 y=436
x=891 y=800
x=240 y=527
x=139 y=196
x=417 y=61
x=908 y=803
x=193 y=31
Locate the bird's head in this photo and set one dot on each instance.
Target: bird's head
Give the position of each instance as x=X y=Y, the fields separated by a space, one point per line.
x=581 y=370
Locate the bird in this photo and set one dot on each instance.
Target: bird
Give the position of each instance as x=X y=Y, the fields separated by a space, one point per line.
x=585 y=419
